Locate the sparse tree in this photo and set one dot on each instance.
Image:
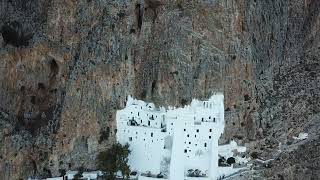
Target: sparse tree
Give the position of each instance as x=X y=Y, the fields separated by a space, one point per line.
x=113 y=160
x=78 y=176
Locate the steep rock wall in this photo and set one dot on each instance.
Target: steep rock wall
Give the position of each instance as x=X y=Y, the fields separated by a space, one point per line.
x=67 y=66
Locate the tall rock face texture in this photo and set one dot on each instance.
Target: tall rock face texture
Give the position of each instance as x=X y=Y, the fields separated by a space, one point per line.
x=66 y=66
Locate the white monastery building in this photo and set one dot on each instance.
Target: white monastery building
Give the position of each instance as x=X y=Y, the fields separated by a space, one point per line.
x=172 y=141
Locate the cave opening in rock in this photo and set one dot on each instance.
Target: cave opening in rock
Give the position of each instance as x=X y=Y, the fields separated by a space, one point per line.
x=14 y=34
x=139 y=16
x=41 y=86
x=54 y=67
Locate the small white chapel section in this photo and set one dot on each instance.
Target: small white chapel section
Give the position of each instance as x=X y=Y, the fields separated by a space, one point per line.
x=172 y=141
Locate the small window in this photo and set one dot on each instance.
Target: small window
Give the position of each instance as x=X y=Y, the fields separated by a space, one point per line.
x=171 y=123
x=202 y=119
x=210 y=130
x=209 y=137
x=148 y=123
x=136 y=132
x=214 y=119
x=195 y=136
x=185 y=151
x=151 y=134
x=209 y=117
x=189 y=142
x=187 y=135
x=184 y=130
x=130 y=138
x=197 y=130
x=141 y=121
x=138 y=113
x=205 y=144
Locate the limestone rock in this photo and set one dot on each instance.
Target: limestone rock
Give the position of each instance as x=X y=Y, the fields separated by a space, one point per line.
x=77 y=61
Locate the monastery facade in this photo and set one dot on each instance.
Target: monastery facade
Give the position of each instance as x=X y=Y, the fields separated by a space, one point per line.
x=175 y=140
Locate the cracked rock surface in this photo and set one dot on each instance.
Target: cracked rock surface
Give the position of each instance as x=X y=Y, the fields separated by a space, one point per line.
x=67 y=66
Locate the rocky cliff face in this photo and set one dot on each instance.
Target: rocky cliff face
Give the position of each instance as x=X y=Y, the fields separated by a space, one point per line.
x=67 y=66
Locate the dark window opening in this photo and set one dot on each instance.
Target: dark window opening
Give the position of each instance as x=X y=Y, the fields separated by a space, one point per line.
x=130 y=138
x=197 y=130
x=202 y=119
x=209 y=117
x=187 y=135
x=214 y=119
x=205 y=144
x=209 y=137
x=151 y=134
x=148 y=123
x=189 y=142
x=139 y=16
x=185 y=151
x=184 y=130
x=210 y=130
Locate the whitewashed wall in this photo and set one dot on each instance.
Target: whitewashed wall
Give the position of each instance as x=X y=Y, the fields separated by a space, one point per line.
x=200 y=124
